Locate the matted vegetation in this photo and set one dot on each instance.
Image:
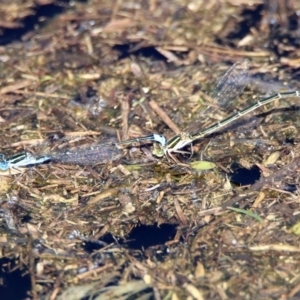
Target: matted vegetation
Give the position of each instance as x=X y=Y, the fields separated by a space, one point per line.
x=136 y=226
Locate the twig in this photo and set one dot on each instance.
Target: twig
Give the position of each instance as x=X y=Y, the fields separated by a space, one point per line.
x=125 y=113
x=154 y=105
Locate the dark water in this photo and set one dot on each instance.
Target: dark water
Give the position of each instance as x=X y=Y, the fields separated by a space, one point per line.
x=141 y=237
x=243 y=176
x=14 y=285
x=30 y=23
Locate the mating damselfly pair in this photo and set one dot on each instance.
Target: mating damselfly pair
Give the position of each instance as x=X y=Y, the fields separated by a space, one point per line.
x=231 y=86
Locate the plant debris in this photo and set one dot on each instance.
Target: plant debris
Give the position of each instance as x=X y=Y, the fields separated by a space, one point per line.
x=136 y=226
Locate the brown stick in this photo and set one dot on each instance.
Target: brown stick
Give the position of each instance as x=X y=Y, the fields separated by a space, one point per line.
x=154 y=105
x=125 y=113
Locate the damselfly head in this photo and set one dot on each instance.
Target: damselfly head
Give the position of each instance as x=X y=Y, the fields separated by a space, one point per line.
x=159 y=138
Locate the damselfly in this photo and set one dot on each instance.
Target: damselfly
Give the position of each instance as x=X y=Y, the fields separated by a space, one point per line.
x=229 y=87
x=87 y=155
